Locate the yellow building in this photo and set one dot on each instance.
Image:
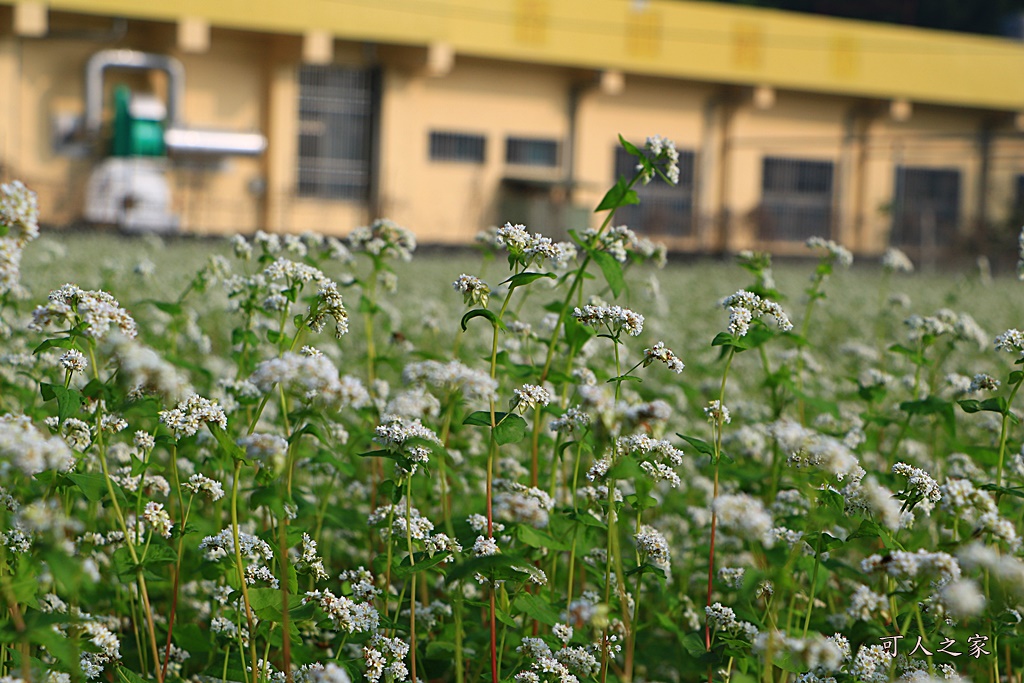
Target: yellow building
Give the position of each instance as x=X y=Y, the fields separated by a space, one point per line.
x=451 y=115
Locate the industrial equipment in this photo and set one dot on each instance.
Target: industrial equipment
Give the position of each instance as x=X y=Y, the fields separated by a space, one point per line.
x=129 y=187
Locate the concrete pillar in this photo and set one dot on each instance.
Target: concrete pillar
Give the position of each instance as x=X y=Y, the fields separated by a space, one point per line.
x=318 y=47
x=711 y=191
x=31 y=19
x=193 y=35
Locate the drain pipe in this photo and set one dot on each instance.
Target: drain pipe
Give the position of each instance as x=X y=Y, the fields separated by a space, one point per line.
x=576 y=91
x=130 y=59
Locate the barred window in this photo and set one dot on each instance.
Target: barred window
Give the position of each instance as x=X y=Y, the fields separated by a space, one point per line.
x=926 y=209
x=532 y=151
x=663 y=209
x=796 y=199
x=336 y=129
x=446 y=146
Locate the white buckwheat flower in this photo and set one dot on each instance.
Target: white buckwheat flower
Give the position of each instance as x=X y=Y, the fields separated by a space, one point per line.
x=157 y=519
x=614 y=318
x=717 y=413
x=837 y=253
x=1011 y=341
x=744 y=307
x=191 y=414
x=659 y=352
x=530 y=396
x=74 y=360
x=895 y=261
x=474 y=290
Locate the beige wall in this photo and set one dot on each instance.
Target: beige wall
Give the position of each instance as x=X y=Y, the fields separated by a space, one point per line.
x=450 y=201
x=796 y=126
x=645 y=107
x=247 y=81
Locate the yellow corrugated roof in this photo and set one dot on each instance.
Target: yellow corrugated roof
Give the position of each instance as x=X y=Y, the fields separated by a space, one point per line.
x=690 y=40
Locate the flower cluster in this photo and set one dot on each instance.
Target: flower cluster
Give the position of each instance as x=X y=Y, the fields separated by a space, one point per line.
x=837 y=253
x=895 y=261
x=191 y=414
x=615 y=319
x=660 y=353
x=97 y=309
x=383 y=238
x=536 y=248
x=661 y=152
x=745 y=307
x=19 y=216
x=529 y=396
x=474 y=291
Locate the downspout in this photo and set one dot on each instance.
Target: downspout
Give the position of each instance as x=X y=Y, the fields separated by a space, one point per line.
x=984 y=171
x=576 y=91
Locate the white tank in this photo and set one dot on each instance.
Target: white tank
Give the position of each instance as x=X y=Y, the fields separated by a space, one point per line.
x=132 y=194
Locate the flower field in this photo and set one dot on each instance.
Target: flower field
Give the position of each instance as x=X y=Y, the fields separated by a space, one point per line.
x=302 y=459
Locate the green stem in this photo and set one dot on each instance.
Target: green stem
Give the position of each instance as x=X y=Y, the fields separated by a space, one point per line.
x=241 y=570
x=1003 y=432
x=412 y=565
x=814 y=584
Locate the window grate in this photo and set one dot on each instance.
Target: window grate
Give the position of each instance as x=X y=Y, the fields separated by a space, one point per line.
x=926 y=209
x=446 y=146
x=796 y=199
x=336 y=121
x=663 y=209
x=532 y=152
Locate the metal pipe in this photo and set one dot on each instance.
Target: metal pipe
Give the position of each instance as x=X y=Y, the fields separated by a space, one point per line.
x=196 y=142
x=130 y=59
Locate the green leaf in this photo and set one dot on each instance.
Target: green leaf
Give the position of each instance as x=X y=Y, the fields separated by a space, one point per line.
x=995 y=404
x=230 y=448
x=158 y=555
x=312 y=430
x=724 y=339
x=123 y=564
x=481 y=313
x=536 y=608
x=1016 y=376
x=482 y=418
x=867 y=529
x=511 y=429
x=694 y=645
x=94 y=486
x=701 y=445
x=521 y=279
x=625 y=468
x=168 y=307
x=498 y=566
x=536 y=538
x=190 y=637
x=913 y=354
x=62 y=343
x=423 y=563
x=68 y=400
x=586 y=519
x=1016 y=493
x=618 y=195
x=240 y=336
x=933 y=405
x=630 y=147
x=96 y=389
x=612 y=271
x=366 y=306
